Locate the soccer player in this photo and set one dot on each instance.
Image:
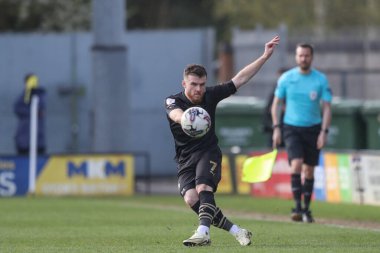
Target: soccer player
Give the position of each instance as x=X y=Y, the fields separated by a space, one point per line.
x=305 y=129
x=199 y=159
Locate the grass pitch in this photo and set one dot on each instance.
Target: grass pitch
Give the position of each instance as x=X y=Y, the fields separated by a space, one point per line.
x=160 y=223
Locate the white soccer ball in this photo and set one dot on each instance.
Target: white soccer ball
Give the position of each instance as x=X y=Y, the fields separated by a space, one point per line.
x=195 y=122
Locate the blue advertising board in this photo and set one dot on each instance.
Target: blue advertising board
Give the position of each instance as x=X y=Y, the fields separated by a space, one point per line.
x=14 y=174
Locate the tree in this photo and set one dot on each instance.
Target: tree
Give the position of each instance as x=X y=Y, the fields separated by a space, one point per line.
x=159 y=14
x=44 y=15
x=300 y=16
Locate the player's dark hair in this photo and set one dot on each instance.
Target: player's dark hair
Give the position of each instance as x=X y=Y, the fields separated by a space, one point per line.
x=195 y=69
x=306 y=45
x=27 y=76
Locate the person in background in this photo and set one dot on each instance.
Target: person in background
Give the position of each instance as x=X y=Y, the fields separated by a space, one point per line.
x=267 y=119
x=199 y=159
x=22 y=110
x=305 y=128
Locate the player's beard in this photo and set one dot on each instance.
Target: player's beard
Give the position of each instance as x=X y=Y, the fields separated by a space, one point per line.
x=194 y=98
x=197 y=98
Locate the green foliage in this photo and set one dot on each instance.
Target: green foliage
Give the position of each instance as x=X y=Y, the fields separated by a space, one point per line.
x=169 y=13
x=160 y=223
x=247 y=14
x=300 y=16
x=352 y=13
x=44 y=15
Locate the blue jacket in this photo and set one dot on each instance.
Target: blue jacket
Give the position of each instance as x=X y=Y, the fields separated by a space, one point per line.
x=22 y=111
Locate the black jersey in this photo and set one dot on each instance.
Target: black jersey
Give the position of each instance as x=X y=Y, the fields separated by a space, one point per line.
x=184 y=144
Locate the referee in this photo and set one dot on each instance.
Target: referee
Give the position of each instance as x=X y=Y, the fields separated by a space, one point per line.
x=199 y=159
x=305 y=128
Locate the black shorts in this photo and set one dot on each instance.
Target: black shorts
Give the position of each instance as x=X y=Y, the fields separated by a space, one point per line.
x=202 y=167
x=301 y=143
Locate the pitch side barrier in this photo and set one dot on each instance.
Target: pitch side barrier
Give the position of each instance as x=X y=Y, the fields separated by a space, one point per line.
x=83 y=174
x=343 y=176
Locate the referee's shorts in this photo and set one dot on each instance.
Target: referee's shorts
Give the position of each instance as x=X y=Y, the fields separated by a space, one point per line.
x=301 y=143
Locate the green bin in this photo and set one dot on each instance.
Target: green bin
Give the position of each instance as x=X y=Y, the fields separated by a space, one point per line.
x=371 y=114
x=347 y=129
x=239 y=122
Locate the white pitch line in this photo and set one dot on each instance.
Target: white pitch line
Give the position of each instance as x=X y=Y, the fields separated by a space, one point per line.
x=343 y=224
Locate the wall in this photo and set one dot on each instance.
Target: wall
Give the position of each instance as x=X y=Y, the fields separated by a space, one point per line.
x=350 y=60
x=155 y=61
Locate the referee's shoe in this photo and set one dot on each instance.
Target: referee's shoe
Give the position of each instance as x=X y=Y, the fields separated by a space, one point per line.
x=307 y=217
x=296 y=215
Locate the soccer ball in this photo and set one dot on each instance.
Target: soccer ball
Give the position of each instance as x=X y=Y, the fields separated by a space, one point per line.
x=195 y=122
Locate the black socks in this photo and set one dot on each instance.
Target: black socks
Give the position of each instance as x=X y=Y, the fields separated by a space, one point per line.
x=297 y=190
x=219 y=221
x=207 y=208
x=307 y=192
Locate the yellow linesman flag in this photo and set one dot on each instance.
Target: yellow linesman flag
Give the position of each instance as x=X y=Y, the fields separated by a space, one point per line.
x=259 y=168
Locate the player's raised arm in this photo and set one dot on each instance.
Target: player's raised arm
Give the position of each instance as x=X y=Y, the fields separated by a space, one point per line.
x=251 y=69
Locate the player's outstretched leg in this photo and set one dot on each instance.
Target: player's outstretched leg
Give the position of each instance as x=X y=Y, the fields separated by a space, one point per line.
x=198 y=239
x=243 y=236
x=206 y=214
